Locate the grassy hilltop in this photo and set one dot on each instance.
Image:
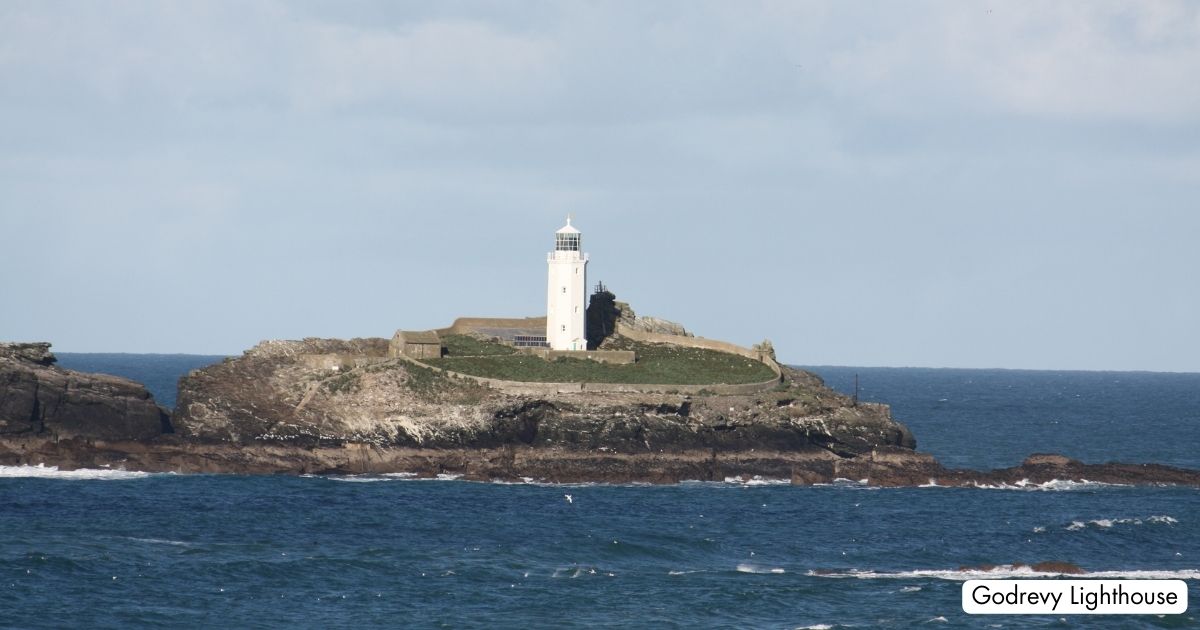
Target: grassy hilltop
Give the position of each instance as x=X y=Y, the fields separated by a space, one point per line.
x=661 y=364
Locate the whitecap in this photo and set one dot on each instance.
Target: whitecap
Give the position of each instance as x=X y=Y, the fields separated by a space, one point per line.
x=1109 y=523
x=758 y=480
x=1054 y=485
x=161 y=541
x=753 y=568
x=910 y=589
x=1008 y=571
x=576 y=572
x=41 y=471
x=356 y=479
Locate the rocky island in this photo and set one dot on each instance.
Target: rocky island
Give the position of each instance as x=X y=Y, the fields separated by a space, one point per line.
x=325 y=406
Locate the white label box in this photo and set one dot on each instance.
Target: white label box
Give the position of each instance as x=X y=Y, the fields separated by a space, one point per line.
x=1074 y=597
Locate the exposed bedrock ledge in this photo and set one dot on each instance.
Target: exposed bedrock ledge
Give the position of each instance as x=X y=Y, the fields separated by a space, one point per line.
x=885 y=467
x=38 y=398
x=275 y=393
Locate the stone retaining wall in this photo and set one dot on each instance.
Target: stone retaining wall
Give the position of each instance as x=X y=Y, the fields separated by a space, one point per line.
x=617 y=357
x=548 y=389
x=701 y=342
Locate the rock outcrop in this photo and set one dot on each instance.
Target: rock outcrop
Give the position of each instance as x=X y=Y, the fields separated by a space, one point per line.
x=282 y=393
x=332 y=406
x=889 y=466
x=38 y=398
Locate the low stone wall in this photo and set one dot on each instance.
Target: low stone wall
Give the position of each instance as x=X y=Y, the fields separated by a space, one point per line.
x=467 y=325
x=701 y=342
x=463 y=324
x=618 y=357
x=533 y=388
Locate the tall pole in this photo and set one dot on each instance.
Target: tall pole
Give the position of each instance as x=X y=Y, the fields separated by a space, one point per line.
x=856 y=389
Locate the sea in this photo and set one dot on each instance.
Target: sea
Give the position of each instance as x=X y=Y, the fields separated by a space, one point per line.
x=119 y=548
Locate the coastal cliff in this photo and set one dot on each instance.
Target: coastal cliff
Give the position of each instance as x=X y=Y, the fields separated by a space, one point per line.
x=329 y=392
x=342 y=407
x=37 y=398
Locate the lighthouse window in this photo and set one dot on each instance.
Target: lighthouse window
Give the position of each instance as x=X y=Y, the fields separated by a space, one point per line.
x=564 y=289
x=564 y=328
x=566 y=242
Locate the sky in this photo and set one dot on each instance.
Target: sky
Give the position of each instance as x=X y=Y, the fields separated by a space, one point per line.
x=942 y=184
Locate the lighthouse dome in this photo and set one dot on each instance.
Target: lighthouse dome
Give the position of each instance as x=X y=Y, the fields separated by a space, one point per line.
x=568 y=228
x=567 y=238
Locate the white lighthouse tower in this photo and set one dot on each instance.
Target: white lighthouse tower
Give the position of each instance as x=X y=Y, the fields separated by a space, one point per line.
x=566 y=291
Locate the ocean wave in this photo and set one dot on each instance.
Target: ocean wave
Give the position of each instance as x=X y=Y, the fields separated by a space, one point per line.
x=757 y=480
x=1006 y=572
x=574 y=572
x=160 y=541
x=1109 y=523
x=42 y=471
x=754 y=568
x=374 y=477
x=1054 y=485
x=842 y=482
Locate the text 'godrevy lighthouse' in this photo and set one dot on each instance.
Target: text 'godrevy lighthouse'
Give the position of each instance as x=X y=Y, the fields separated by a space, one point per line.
x=565 y=293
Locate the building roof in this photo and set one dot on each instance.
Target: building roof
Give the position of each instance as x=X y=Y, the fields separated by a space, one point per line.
x=417 y=336
x=568 y=228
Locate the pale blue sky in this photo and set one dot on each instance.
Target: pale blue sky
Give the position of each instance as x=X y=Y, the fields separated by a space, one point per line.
x=1003 y=184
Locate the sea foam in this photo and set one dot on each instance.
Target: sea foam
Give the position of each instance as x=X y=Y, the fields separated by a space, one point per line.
x=753 y=568
x=1007 y=572
x=42 y=471
x=1109 y=523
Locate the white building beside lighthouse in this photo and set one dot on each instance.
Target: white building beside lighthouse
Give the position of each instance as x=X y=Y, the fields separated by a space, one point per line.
x=566 y=291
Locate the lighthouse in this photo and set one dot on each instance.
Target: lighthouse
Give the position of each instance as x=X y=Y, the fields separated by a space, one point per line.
x=565 y=291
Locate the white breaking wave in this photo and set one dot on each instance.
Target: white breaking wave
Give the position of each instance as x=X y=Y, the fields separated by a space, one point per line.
x=1108 y=523
x=757 y=480
x=400 y=476
x=756 y=569
x=582 y=571
x=162 y=541
x=1009 y=571
x=1054 y=485
x=52 y=472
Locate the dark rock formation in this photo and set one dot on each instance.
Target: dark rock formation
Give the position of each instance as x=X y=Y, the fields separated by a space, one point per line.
x=604 y=312
x=281 y=392
x=331 y=406
x=888 y=466
x=39 y=399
